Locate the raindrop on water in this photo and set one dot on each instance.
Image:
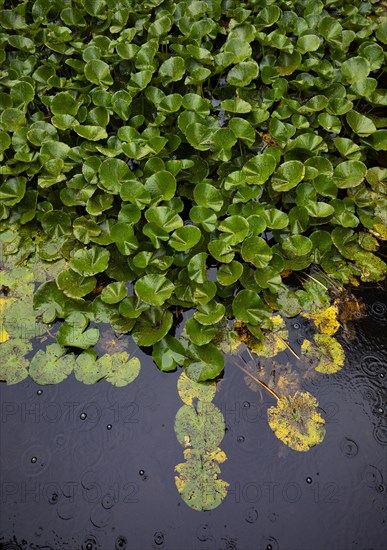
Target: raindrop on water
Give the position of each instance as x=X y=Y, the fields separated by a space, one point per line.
x=83 y=416
x=251 y=515
x=296 y=326
x=159 y=538
x=240 y=439
x=349 y=447
x=121 y=543
x=109 y=427
x=39 y=392
x=309 y=480
x=53 y=499
x=246 y=404
x=34 y=460
x=141 y=472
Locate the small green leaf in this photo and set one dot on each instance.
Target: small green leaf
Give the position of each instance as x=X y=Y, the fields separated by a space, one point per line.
x=114 y=293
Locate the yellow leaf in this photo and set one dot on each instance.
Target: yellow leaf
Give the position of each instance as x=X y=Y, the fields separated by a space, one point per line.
x=325 y=320
x=296 y=422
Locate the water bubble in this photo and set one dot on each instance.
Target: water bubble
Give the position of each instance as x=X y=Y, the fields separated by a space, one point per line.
x=269 y=547
x=381 y=375
x=109 y=427
x=121 y=543
x=296 y=326
x=381 y=488
x=34 y=460
x=240 y=439
x=158 y=538
x=39 y=392
x=309 y=480
x=141 y=472
x=83 y=416
x=349 y=447
x=90 y=543
x=300 y=341
x=246 y=404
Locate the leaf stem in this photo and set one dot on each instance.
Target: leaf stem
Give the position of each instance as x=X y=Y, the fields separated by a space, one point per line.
x=272 y=392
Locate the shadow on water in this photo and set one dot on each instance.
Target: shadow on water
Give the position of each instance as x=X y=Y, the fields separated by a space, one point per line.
x=92 y=467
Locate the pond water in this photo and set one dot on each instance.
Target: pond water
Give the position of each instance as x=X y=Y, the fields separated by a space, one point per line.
x=92 y=467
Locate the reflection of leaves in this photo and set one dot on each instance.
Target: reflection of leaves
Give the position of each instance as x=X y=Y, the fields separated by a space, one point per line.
x=197 y=480
x=296 y=422
x=189 y=389
x=13 y=365
x=327 y=356
x=349 y=307
x=283 y=379
x=51 y=366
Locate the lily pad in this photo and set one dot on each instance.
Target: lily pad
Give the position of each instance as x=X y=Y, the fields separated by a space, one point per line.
x=296 y=422
x=326 y=355
x=52 y=365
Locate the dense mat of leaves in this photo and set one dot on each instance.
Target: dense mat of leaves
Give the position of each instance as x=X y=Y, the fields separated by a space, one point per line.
x=147 y=142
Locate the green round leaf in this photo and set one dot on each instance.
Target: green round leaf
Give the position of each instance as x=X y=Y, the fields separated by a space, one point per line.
x=90 y=261
x=154 y=289
x=256 y=251
x=114 y=293
x=74 y=285
x=184 y=238
x=297 y=245
x=249 y=307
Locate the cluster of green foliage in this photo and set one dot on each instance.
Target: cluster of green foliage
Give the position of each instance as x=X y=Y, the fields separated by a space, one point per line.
x=189 y=155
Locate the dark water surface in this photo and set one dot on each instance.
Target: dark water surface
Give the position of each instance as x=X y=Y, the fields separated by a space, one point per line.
x=92 y=467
